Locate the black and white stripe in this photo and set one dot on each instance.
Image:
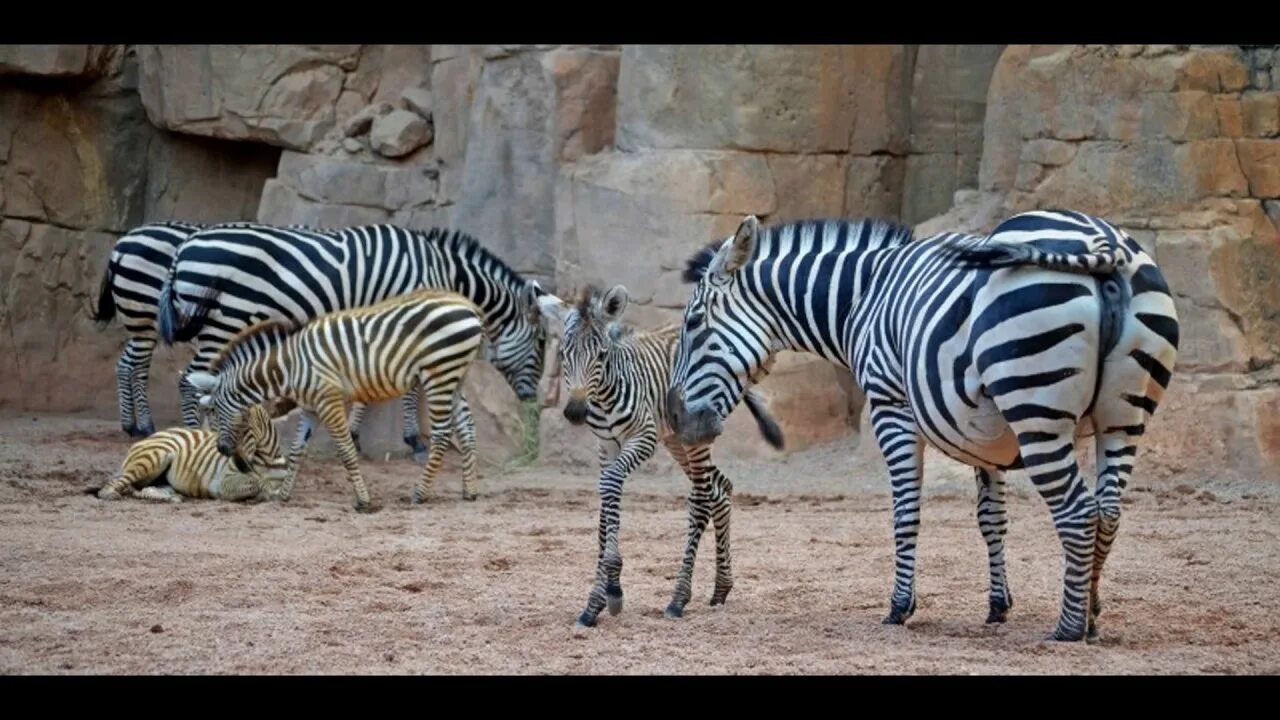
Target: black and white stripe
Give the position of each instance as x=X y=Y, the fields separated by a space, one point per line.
x=996 y=350
x=236 y=276
x=617 y=379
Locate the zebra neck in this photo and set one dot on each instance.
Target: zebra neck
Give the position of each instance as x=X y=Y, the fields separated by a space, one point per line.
x=806 y=318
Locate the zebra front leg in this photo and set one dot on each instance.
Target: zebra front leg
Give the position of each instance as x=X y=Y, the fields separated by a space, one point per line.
x=437 y=403
x=609 y=566
x=899 y=441
x=992 y=523
x=302 y=435
x=332 y=412
x=464 y=441
x=695 y=464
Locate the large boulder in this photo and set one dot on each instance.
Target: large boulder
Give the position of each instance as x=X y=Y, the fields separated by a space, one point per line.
x=56 y=60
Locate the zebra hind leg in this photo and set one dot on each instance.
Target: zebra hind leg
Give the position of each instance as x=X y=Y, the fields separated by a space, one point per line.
x=437 y=401
x=721 y=512
x=412 y=431
x=124 y=391
x=993 y=521
x=464 y=441
x=140 y=377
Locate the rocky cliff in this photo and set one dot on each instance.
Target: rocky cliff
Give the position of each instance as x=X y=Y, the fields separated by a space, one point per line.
x=609 y=164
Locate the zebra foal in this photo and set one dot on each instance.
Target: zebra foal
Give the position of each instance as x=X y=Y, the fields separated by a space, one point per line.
x=187 y=462
x=997 y=350
x=423 y=341
x=617 y=378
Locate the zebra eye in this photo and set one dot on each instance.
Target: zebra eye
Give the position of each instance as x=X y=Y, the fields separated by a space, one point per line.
x=695 y=320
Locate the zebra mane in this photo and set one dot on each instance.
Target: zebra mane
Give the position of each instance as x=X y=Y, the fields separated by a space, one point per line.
x=469 y=248
x=890 y=232
x=587 y=299
x=271 y=331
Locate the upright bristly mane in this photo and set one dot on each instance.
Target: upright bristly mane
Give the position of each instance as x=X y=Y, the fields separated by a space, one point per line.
x=468 y=247
x=883 y=233
x=269 y=331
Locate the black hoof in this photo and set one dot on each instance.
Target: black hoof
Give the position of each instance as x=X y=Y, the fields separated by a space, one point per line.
x=899 y=614
x=1000 y=608
x=1061 y=635
x=364 y=508
x=415 y=443
x=719 y=597
x=469 y=497
x=146 y=430
x=417 y=498
x=674 y=610
x=613 y=599
x=586 y=620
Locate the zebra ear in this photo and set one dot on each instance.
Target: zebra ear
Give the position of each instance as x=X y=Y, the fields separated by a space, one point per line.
x=531 y=296
x=613 y=303
x=738 y=250
x=206 y=401
x=203 y=381
x=552 y=308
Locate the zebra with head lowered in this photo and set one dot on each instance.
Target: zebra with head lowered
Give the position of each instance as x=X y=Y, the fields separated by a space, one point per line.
x=235 y=276
x=424 y=341
x=994 y=350
x=617 y=379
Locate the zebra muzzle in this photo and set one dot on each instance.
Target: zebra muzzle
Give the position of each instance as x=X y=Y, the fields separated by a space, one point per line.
x=575 y=410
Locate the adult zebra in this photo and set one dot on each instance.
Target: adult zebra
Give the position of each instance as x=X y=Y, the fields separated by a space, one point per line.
x=137 y=269
x=994 y=350
x=236 y=276
x=131 y=285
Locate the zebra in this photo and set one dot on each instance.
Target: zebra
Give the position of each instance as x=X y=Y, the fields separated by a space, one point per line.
x=136 y=270
x=993 y=349
x=238 y=275
x=425 y=340
x=617 y=378
x=185 y=461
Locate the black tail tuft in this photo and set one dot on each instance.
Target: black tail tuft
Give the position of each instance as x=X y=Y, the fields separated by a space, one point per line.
x=768 y=426
x=106 y=308
x=175 y=327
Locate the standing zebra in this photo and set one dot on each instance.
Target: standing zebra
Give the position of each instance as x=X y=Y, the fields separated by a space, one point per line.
x=187 y=461
x=424 y=340
x=617 y=380
x=135 y=276
x=137 y=269
x=238 y=275
x=993 y=350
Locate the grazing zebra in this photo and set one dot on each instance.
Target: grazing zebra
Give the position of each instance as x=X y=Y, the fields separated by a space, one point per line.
x=136 y=270
x=424 y=340
x=994 y=350
x=238 y=275
x=187 y=461
x=617 y=380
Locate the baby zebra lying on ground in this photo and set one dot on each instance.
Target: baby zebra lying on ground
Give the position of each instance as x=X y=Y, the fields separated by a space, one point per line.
x=187 y=461
x=617 y=380
x=368 y=354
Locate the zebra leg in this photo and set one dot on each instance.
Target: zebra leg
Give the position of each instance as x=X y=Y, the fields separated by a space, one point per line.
x=412 y=432
x=124 y=390
x=992 y=522
x=141 y=350
x=609 y=567
x=302 y=435
x=1116 y=452
x=357 y=419
x=721 y=512
x=694 y=463
x=333 y=413
x=159 y=493
x=1048 y=453
x=607 y=452
x=899 y=440
x=189 y=401
x=437 y=401
x=464 y=441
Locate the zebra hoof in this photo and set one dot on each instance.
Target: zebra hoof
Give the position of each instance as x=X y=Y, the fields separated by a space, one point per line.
x=146 y=430
x=586 y=620
x=469 y=496
x=107 y=494
x=1095 y=606
x=364 y=508
x=613 y=599
x=1061 y=635
x=415 y=444
x=674 y=610
x=898 y=615
x=1000 y=608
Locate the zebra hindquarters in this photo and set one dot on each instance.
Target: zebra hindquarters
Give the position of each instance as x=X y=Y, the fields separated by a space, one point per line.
x=146 y=462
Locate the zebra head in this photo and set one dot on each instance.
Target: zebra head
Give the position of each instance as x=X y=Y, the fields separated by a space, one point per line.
x=518 y=348
x=260 y=443
x=724 y=347
x=229 y=413
x=584 y=348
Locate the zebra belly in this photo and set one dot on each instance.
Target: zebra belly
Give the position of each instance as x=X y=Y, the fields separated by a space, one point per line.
x=987 y=440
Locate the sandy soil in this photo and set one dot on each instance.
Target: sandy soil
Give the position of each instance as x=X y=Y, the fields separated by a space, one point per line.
x=494 y=586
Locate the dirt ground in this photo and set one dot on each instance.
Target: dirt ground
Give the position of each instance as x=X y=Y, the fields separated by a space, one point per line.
x=494 y=586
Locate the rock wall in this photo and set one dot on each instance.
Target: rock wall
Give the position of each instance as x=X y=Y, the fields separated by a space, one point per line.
x=610 y=164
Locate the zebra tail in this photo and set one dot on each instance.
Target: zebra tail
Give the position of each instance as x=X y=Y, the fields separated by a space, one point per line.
x=106 y=308
x=768 y=426
x=995 y=254
x=173 y=325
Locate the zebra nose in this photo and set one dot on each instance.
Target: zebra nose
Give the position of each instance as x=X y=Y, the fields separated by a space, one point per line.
x=675 y=407
x=226 y=446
